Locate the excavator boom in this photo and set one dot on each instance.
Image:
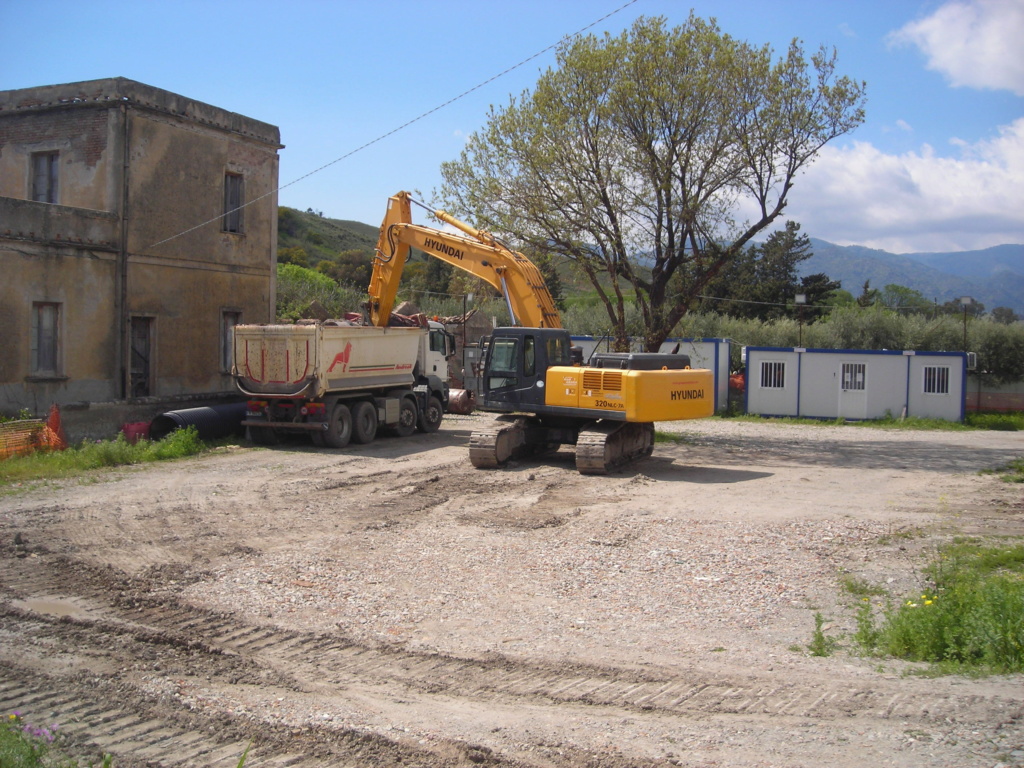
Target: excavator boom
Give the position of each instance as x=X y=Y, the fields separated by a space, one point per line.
x=476 y=252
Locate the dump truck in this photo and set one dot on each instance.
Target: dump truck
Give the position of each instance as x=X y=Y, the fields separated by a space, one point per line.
x=340 y=382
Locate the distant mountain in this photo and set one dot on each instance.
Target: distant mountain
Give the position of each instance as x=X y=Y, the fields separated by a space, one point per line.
x=993 y=276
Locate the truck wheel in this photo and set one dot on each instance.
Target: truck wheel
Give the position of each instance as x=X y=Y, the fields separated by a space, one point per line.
x=430 y=418
x=407 y=418
x=339 y=428
x=364 y=421
x=263 y=435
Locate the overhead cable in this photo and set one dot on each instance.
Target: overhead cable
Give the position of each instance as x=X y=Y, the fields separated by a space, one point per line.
x=404 y=125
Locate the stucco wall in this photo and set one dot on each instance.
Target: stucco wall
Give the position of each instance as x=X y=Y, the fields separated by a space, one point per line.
x=163 y=250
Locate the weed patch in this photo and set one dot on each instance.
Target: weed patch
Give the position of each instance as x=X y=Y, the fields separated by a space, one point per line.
x=91 y=456
x=970 y=620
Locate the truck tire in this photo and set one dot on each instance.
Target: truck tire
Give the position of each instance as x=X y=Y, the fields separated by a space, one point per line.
x=263 y=435
x=339 y=427
x=364 y=421
x=430 y=417
x=407 y=418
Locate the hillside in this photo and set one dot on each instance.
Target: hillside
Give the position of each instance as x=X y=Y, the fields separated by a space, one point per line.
x=993 y=276
x=322 y=236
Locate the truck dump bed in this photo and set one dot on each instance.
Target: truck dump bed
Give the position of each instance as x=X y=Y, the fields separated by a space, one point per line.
x=310 y=360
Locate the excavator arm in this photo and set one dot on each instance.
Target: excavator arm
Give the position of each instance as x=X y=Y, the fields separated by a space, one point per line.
x=477 y=252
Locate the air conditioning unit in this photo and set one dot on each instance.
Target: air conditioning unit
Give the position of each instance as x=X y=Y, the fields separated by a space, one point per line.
x=972 y=361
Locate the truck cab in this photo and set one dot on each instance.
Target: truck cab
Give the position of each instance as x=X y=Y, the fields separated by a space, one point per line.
x=436 y=348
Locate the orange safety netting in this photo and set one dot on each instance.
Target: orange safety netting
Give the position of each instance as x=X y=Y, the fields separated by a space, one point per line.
x=18 y=438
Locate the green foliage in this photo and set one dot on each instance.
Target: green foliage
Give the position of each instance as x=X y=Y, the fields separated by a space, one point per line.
x=821 y=644
x=1001 y=422
x=23 y=745
x=971 y=619
x=1000 y=348
x=22 y=415
x=298 y=288
x=1011 y=473
x=860 y=587
x=296 y=255
x=97 y=455
x=632 y=156
x=762 y=282
x=1004 y=315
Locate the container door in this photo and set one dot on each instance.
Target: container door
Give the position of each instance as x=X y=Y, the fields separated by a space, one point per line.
x=853 y=397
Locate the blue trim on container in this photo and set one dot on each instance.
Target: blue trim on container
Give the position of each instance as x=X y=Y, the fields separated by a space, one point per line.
x=799 y=380
x=906 y=393
x=890 y=352
x=963 y=390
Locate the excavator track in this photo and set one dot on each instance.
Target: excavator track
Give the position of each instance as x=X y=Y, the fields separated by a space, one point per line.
x=501 y=440
x=604 y=446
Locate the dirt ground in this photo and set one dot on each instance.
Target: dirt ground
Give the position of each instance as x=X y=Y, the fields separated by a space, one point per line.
x=390 y=605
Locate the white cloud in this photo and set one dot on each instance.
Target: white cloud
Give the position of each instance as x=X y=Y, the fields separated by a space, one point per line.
x=903 y=125
x=975 y=43
x=916 y=201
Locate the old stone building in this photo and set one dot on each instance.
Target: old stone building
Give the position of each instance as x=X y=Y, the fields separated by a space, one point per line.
x=137 y=227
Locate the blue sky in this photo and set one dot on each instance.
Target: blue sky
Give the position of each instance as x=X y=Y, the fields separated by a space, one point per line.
x=937 y=166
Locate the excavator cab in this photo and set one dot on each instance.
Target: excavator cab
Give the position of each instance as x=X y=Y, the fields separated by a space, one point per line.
x=516 y=364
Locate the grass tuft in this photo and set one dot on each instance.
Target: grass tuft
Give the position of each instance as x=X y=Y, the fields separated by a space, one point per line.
x=971 y=620
x=98 y=455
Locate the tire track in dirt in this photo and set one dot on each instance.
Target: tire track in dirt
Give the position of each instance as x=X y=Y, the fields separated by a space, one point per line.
x=307 y=660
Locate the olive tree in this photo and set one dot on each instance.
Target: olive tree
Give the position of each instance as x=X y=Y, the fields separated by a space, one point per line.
x=634 y=155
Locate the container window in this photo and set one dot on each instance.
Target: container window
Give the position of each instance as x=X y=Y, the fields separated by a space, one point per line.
x=936 y=380
x=855 y=376
x=773 y=374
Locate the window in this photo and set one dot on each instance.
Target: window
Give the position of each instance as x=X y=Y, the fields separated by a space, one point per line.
x=141 y=384
x=558 y=351
x=46 y=339
x=438 y=342
x=233 y=199
x=229 y=319
x=854 y=375
x=503 y=363
x=529 y=356
x=936 y=379
x=44 y=176
x=773 y=374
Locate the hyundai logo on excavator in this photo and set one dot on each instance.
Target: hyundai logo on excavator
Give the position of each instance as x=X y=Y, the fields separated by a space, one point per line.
x=687 y=394
x=444 y=248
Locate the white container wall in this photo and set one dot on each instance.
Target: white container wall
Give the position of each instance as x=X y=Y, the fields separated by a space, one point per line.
x=855 y=384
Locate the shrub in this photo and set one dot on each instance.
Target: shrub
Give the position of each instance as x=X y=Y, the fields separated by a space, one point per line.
x=972 y=619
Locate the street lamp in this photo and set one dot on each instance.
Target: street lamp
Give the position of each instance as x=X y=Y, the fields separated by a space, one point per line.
x=800 y=299
x=965 y=302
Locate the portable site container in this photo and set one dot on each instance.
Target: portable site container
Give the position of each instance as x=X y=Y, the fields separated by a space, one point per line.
x=855 y=384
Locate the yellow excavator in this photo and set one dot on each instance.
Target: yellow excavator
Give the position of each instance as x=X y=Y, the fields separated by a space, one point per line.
x=532 y=376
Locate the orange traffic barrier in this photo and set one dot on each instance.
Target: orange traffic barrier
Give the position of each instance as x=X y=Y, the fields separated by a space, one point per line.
x=19 y=438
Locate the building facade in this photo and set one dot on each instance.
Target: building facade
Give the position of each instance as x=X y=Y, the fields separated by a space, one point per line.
x=137 y=227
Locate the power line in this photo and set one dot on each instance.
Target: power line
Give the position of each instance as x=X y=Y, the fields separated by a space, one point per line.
x=404 y=125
